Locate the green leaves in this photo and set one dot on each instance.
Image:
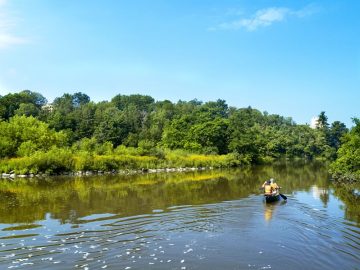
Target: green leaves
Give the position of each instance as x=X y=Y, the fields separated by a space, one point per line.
x=136 y=124
x=347 y=163
x=23 y=135
x=25 y=102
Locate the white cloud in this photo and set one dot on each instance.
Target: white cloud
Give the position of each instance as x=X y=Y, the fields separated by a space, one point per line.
x=307 y=11
x=7 y=39
x=266 y=17
x=7 y=26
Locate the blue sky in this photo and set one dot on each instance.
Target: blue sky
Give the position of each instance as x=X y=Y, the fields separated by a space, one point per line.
x=293 y=58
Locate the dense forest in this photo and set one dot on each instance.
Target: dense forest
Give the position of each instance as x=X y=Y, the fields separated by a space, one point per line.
x=137 y=132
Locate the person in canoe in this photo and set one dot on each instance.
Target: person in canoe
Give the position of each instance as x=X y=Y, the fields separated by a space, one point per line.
x=274 y=185
x=270 y=187
x=271 y=191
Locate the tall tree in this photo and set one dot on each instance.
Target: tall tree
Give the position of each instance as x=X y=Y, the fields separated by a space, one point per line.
x=11 y=102
x=112 y=127
x=348 y=160
x=322 y=121
x=337 y=131
x=27 y=109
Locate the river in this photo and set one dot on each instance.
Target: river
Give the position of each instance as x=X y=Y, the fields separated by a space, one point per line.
x=196 y=220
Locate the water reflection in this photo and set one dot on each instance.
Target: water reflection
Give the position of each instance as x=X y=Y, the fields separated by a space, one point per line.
x=350 y=196
x=270 y=208
x=201 y=220
x=321 y=194
x=67 y=199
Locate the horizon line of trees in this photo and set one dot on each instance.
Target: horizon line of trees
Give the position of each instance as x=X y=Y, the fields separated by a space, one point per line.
x=138 y=121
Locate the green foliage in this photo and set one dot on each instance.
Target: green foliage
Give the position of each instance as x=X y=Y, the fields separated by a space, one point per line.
x=20 y=103
x=99 y=135
x=111 y=127
x=245 y=133
x=92 y=146
x=140 y=102
x=347 y=165
x=156 y=121
x=337 y=131
x=58 y=160
x=175 y=133
x=211 y=136
x=181 y=158
x=322 y=122
x=55 y=160
x=23 y=134
x=27 y=109
x=83 y=161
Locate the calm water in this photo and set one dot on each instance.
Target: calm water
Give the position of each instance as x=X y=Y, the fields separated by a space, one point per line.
x=207 y=220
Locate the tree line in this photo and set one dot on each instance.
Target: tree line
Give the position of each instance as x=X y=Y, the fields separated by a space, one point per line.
x=138 y=125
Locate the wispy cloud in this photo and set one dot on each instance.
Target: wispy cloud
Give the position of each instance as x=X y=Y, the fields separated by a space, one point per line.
x=266 y=17
x=7 y=26
x=2 y=2
x=6 y=40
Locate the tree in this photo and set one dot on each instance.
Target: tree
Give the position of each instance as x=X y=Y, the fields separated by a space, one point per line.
x=337 y=131
x=73 y=113
x=348 y=155
x=175 y=133
x=79 y=99
x=24 y=135
x=11 y=102
x=211 y=136
x=84 y=117
x=211 y=110
x=112 y=127
x=64 y=104
x=322 y=122
x=245 y=133
x=141 y=102
x=159 y=117
x=27 y=109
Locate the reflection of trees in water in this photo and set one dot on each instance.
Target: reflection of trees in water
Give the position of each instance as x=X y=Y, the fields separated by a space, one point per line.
x=325 y=197
x=67 y=199
x=294 y=176
x=349 y=194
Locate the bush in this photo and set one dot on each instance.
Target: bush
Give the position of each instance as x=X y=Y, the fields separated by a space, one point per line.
x=56 y=160
x=83 y=161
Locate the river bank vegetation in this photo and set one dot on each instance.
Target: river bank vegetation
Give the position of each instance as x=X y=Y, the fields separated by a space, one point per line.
x=347 y=165
x=137 y=132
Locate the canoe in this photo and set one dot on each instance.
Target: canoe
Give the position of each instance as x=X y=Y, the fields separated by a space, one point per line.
x=272 y=198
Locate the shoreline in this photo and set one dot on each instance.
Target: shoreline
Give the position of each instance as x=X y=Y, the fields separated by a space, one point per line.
x=12 y=175
x=344 y=178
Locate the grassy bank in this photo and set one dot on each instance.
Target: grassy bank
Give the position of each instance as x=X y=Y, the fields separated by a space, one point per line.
x=60 y=160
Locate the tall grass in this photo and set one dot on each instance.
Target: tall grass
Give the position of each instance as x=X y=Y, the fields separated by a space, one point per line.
x=59 y=160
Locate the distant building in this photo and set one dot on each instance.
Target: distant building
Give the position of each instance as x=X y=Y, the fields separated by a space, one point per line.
x=314 y=123
x=48 y=107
